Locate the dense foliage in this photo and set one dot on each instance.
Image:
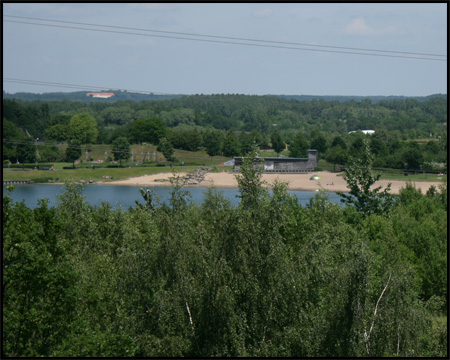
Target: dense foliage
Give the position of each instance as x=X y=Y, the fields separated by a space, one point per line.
x=265 y=278
x=360 y=180
x=187 y=123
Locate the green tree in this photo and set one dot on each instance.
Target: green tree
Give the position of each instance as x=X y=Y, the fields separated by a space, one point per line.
x=39 y=281
x=250 y=180
x=230 y=145
x=148 y=130
x=117 y=115
x=121 y=149
x=336 y=155
x=58 y=132
x=73 y=152
x=60 y=118
x=413 y=158
x=246 y=142
x=119 y=131
x=299 y=146
x=12 y=140
x=211 y=141
x=192 y=140
x=166 y=147
x=432 y=147
x=50 y=152
x=359 y=178
x=277 y=142
x=378 y=147
x=357 y=145
x=27 y=151
x=185 y=137
x=83 y=128
x=257 y=137
x=339 y=141
x=319 y=142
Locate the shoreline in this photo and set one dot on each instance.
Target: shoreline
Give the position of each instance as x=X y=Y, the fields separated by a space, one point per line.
x=332 y=182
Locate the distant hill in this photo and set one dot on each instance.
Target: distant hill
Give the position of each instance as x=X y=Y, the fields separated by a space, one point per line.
x=124 y=95
x=83 y=97
x=373 y=99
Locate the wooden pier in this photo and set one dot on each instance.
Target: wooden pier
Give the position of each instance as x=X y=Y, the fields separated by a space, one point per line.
x=16 y=182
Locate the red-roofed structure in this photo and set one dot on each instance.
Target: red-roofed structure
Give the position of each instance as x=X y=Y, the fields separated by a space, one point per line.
x=100 y=95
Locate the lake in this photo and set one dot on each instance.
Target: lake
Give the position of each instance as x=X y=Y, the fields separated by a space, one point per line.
x=125 y=196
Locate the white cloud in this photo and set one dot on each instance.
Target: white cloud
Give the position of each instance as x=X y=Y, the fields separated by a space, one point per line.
x=358 y=26
x=48 y=60
x=263 y=13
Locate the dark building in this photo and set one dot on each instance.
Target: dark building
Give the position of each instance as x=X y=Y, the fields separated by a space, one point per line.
x=285 y=165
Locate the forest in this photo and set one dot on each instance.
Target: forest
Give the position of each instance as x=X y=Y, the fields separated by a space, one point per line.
x=266 y=278
x=409 y=134
x=140 y=96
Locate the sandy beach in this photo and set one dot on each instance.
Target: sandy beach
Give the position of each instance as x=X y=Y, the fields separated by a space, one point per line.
x=329 y=181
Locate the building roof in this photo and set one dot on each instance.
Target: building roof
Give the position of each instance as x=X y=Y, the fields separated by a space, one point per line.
x=276 y=159
x=100 y=94
x=365 y=132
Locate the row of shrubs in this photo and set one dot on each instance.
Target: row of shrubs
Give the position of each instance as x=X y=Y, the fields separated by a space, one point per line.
x=28 y=166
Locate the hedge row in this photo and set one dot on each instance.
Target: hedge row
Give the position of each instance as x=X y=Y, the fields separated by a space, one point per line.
x=30 y=166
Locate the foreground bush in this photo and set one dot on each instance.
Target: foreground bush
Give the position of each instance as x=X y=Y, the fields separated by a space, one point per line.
x=266 y=278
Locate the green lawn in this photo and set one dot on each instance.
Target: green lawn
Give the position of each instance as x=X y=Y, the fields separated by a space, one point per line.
x=413 y=177
x=59 y=175
x=85 y=174
x=192 y=160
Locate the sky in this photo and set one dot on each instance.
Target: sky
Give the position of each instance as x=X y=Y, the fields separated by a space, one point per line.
x=201 y=48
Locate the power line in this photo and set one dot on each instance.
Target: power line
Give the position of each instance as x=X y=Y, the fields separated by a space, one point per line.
x=226 y=37
x=85 y=87
x=231 y=42
x=90 y=87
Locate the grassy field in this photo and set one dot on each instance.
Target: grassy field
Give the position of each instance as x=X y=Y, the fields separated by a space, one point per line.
x=84 y=171
x=413 y=177
x=46 y=176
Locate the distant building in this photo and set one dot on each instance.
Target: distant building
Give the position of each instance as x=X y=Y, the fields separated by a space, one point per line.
x=285 y=165
x=365 y=132
x=100 y=95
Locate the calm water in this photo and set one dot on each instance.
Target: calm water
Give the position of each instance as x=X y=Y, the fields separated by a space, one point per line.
x=125 y=196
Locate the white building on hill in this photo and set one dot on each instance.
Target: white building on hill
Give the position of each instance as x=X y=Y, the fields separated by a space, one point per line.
x=365 y=132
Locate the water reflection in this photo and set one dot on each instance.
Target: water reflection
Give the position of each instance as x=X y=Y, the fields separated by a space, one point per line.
x=125 y=196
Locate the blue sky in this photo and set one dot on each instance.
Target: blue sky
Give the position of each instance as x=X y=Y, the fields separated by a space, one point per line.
x=115 y=60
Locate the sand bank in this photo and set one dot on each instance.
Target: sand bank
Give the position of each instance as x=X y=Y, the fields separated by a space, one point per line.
x=329 y=181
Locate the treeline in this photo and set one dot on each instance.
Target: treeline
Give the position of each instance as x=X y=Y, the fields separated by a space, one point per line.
x=266 y=278
x=373 y=99
x=129 y=95
x=82 y=96
x=243 y=113
x=188 y=122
